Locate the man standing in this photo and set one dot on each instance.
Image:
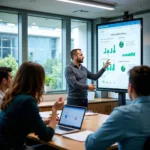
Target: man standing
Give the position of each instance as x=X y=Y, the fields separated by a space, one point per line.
x=76 y=76
x=5 y=80
x=128 y=125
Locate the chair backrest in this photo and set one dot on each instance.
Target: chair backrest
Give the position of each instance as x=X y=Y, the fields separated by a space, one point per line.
x=147 y=144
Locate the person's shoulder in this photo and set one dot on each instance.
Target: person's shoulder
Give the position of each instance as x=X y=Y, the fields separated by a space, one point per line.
x=119 y=113
x=24 y=98
x=124 y=109
x=70 y=66
x=83 y=67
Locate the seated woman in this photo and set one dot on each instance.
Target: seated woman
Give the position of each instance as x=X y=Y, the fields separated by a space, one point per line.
x=20 y=113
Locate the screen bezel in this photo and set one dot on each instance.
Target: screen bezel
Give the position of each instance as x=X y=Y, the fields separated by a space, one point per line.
x=72 y=106
x=117 y=89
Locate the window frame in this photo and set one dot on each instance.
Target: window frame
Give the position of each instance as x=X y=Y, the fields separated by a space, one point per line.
x=66 y=34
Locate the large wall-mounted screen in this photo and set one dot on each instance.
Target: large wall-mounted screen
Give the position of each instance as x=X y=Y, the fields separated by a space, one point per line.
x=121 y=42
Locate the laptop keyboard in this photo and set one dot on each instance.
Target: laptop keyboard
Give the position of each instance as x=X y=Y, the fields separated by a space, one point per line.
x=62 y=128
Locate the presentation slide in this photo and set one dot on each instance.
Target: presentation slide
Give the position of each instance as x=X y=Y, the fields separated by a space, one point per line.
x=121 y=43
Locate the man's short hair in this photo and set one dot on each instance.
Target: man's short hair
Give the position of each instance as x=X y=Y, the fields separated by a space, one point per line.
x=4 y=73
x=139 y=77
x=74 y=52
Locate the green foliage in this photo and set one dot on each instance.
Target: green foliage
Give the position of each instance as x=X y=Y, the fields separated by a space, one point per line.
x=9 y=62
x=53 y=70
x=48 y=80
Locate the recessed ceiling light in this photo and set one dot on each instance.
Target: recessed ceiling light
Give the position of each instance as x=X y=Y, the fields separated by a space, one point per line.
x=90 y=3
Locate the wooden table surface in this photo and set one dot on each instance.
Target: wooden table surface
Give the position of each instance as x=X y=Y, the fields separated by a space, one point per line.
x=90 y=123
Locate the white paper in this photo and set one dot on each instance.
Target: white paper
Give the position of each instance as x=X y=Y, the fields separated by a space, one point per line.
x=91 y=113
x=79 y=136
x=47 y=114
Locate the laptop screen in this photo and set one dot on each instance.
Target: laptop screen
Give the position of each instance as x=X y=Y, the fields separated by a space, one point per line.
x=72 y=116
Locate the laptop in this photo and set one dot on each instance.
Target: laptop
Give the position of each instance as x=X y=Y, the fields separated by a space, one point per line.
x=71 y=119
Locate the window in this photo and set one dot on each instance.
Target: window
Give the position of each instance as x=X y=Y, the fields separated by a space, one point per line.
x=9 y=41
x=79 y=37
x=44 y=47
x=47 y=43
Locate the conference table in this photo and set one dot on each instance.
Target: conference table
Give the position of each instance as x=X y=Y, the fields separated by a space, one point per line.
x=91 y=123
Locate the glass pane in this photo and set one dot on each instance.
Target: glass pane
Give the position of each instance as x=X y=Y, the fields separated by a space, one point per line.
x=9 y=41
x=44 y=47
x=79 y=37
x=14 y=41
x=6 y=52
x=6 y=42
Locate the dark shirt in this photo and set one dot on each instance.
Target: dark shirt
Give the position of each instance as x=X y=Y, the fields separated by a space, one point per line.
x=20 y=118
x=76 y=80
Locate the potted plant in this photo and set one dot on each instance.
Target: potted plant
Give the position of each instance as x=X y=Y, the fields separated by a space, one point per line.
x=47 y=83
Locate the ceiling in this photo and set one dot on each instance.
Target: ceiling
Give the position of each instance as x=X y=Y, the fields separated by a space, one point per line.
x=57 y=7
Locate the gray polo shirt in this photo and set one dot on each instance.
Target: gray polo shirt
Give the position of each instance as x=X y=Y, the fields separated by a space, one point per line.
x=76 y=78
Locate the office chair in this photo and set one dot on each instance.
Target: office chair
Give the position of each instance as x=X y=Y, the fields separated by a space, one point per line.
x=147 y=143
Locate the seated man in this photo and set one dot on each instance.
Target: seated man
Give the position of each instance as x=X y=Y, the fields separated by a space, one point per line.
x=5 y=80
x=128 y=125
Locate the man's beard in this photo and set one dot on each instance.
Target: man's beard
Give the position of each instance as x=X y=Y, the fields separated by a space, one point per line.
x=79 y=60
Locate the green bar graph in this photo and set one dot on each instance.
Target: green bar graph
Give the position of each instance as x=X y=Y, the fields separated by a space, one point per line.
x=111 y=67
x=114 y=51
x=129 y=54
x=110 y=51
